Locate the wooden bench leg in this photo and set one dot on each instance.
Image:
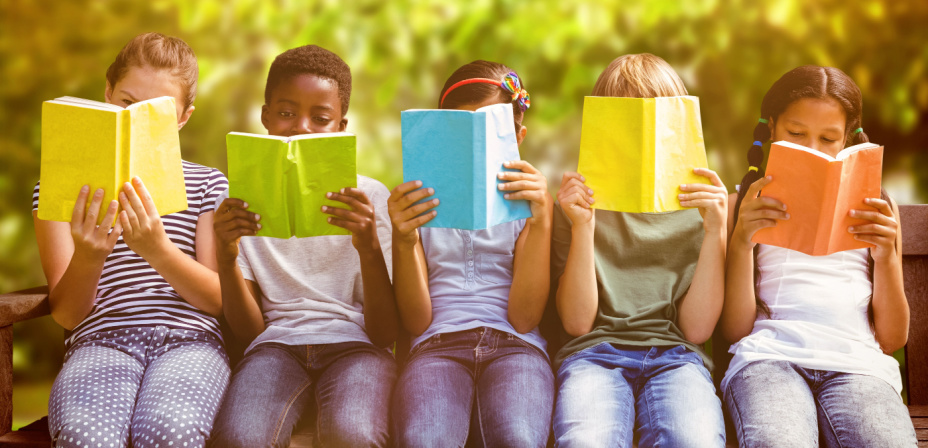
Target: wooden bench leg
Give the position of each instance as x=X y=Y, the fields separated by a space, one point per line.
x=6 y=379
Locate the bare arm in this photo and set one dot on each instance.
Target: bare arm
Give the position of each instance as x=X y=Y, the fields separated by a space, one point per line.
x=531 y=280
x=240 y=297
x=380 y=317
x=702 y=305
x=73 y=255
x=195 y=281
x=890 y=307
x=410 y=271
x=740 y=308
x=577 y=297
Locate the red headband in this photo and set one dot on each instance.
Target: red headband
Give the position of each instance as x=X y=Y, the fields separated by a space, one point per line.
x=468 y=81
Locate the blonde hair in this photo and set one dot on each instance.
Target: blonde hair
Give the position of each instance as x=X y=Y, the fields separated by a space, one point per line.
x=160 y=52
x=639 y=76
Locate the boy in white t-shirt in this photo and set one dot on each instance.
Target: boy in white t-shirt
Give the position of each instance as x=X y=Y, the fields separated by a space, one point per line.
x=318 y=312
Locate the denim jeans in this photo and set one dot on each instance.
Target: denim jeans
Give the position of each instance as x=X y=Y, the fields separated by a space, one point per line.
x=608 y=395
x=777 y=404
x=141 y=387
x=272 y=387
x=482 y=387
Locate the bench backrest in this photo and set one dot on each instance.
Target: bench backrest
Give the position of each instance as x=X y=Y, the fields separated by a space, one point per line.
x=914 y=220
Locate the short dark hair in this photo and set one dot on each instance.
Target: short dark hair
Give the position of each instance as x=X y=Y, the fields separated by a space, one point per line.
x=310 y=60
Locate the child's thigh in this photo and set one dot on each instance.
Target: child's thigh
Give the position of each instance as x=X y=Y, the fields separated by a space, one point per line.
x=180 y=395
x=595 y=404
x=862 y=410
x=433 y=399
x=677 y=406
x=771 y=404
x=93 y=396
x=515 y=396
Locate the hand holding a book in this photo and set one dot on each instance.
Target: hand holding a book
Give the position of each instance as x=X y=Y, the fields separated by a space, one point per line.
x=576 y=199
x=881 y=231
x=91 y=241
x=143 y=230
x=359 y=220
x=757 y=212
x=406 y=215
x=712 y=200
x=231 y=222
x=527 y=184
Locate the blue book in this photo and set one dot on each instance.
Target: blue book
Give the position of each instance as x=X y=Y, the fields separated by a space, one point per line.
x=459 y=153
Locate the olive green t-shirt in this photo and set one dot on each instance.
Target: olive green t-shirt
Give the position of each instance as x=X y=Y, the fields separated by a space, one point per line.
x=644 y=266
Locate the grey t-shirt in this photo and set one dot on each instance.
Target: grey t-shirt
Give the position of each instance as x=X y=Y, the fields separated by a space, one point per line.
x=311 y=291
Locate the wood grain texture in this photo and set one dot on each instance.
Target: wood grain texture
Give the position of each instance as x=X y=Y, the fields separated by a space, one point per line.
x=23 y=305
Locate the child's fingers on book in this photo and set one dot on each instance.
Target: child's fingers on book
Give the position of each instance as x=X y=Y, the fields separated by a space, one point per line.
x=880 y=205
x=342 y=213
x=229 y=204
x=147 y=202
x=404 y=188
x=515 y=175
x=418 y=209
x=763 y=202
x=754 y=189
x=421 y=220
x=876 y=217
x=355 y=193
x=90 y=218
x=514 y=185
x=575 y=183
x=134 y=201
x=352 y=202
x=767 y=213
x=411 y=198
x=77 y=215
x=711 y=175
x=572 y=175
x=114 y=234
x=521 y=165
x=132 y=219
x=243 y=223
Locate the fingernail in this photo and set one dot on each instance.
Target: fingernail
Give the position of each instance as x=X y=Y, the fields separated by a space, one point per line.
x=328 y=195
x=85 y=188
x=257 y=217
x=99 y=192
x=499 y=186
x=582 y=179
x=852 y=213
x=259 y=226
x=137 y=180
x=435 y=201
x=506 y=195
x=245 y=205
x=787 y=216
x=127 y=185
x=590 y=191
x=418 y=183
x=328 y=219
x=342 y=191
x=324 y=207
x=431 y=191
x=499 y=176
x=682 y=186
x=769 y=177
x=851 y=229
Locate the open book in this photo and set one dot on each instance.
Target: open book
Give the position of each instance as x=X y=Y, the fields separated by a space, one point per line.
x=635 y=152
x=87 y=142
x=819 y=191
x=459 y=153
x=285 y=179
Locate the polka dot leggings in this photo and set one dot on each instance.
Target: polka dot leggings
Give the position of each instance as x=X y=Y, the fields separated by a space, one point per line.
x=144 y=387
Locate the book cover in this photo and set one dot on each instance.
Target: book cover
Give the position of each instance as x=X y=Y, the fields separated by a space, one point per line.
x=459 y=153
x=87 y=142
x=285 y=179
x=819 y=191
x=636 y=152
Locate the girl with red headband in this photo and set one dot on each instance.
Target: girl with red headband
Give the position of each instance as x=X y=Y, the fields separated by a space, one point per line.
x=478 y=368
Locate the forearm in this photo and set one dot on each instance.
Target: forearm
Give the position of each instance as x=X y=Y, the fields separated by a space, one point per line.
x=890 y=307
x=239 y=306
x=195 y=283
x=72 y=298
x=531 y=280
x=411 y=288
x=379 y=304
x=577 y=297
x=740 y=307
x=702 y=305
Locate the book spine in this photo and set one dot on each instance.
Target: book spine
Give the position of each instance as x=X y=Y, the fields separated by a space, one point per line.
x=481 y=202
x=124 y=147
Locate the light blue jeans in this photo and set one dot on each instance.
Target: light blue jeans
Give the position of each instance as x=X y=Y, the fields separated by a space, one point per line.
x=777 y=404
x=610 y=395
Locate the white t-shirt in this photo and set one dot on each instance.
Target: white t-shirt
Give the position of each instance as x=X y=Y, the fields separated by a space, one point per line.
x=818 y=316
x=311 y=291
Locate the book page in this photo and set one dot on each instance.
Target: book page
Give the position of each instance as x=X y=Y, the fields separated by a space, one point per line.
x=846 y=152
x=679 y=147
x=154 y=153
x=500 y=146
x=79 y=147
x=81 y=102
x=320 y=166
x=860 y=177
x=259 y=174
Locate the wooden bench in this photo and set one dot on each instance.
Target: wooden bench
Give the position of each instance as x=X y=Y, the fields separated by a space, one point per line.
x=28 y=304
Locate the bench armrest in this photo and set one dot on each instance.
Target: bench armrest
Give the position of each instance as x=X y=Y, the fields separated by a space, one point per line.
x=23 y=305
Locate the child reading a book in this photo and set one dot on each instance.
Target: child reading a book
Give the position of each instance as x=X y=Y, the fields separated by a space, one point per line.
x=814 y=334
x=473 y=299
x=145 y=361
x=638 y=293
x=317 y=311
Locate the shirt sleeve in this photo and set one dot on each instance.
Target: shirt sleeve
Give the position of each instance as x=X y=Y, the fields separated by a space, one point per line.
x=35 y=197
x=216 y=185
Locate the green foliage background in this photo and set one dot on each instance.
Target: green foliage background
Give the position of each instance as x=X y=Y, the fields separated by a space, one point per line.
x=728 y=53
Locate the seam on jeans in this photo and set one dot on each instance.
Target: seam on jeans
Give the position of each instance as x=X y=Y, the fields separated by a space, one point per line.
x=283 y=414
x=831 y=426
x=739 y=428
x=648 y=399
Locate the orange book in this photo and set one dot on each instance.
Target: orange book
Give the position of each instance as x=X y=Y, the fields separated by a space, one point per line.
x=819 y=191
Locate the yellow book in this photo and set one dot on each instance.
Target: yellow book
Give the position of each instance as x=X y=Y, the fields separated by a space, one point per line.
x=635 y=152
x=87 y=142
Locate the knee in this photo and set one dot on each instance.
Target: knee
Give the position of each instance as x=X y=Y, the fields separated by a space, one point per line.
x=523 y=435
x=363 y=435
x=88 y=435
x=237 y=437
x=173 y=431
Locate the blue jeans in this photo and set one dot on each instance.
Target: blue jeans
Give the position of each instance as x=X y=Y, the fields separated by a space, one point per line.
x=482 y=385
x=777 y=404
x=274 y=384
x=608 y=395
x=140 y=387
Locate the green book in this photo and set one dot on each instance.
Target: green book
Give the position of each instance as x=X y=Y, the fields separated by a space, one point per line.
x=285 y=179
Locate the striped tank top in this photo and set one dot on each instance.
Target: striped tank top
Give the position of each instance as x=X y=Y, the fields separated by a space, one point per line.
x=131 y=293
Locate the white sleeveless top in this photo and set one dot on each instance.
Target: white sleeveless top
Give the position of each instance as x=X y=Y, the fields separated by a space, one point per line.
x=818 y=316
